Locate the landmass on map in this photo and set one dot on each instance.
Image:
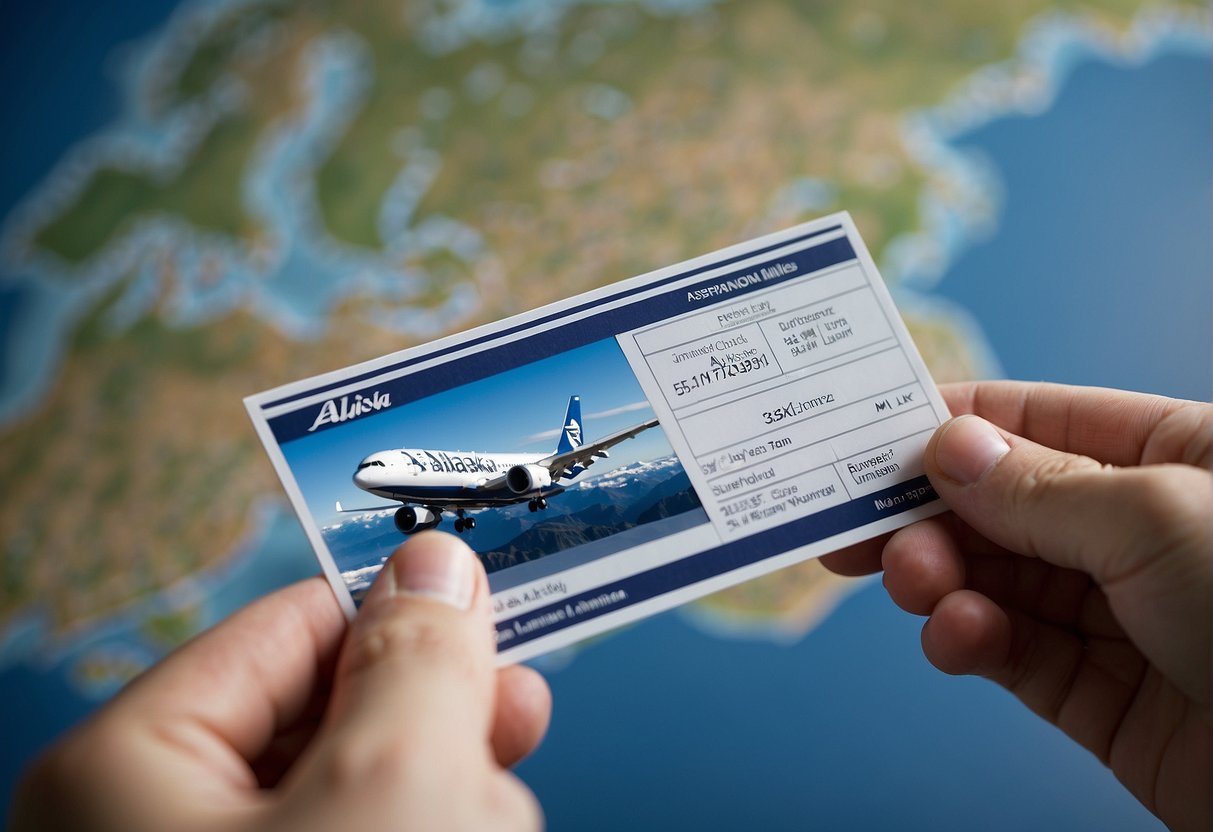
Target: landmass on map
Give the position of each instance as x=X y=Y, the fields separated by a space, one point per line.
x=294 y=187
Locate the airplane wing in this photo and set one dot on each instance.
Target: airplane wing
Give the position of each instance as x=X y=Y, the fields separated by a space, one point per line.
x=343 y=510
x=562 y=464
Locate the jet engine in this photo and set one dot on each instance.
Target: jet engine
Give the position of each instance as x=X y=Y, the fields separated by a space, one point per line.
x=524 y=479
x=411 y=519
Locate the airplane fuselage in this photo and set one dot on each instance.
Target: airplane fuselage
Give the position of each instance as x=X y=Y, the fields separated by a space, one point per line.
x=415 y=475
x=429 y=482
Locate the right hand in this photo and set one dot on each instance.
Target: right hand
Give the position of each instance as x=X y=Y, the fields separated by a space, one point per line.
x=1076 y=570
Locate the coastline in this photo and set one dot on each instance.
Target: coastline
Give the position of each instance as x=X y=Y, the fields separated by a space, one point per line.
x=960 y=205
x=260 y=564
x=1049 y=51
x=1027 y=84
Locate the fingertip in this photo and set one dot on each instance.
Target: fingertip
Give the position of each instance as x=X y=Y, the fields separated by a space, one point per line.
x=524 y=711
x=967 y=634
x=922 y=564
x=965 y=448
x=855 y=561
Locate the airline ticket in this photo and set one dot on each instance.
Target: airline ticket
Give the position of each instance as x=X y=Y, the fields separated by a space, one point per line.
x=630 y=449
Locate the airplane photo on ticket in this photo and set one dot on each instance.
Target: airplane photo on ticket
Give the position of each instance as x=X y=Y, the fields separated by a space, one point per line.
x=627 y=450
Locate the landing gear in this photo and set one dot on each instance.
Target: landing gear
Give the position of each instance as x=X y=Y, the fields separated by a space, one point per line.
x=463 y=523
x=537 y=504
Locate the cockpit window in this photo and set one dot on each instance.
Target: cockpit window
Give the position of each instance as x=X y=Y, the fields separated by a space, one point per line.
x=368 y=464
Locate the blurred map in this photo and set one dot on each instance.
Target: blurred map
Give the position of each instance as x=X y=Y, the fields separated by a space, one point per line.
x=288 y=188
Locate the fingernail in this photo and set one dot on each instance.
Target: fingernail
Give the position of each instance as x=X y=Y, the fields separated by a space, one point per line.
x=967 y=448
x=437 y=567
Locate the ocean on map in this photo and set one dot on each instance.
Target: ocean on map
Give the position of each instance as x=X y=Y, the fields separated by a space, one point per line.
x=1110 y=290
x=1041 y=288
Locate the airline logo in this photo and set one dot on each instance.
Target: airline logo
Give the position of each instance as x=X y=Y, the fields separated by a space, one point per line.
x=335 y=411
x=448 y=463
x=573 y=432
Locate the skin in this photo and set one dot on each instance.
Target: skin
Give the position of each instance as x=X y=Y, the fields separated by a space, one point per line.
x=1075 y=570
x=280 y=718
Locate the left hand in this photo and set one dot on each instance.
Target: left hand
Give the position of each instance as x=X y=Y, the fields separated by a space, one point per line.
x=259 y=723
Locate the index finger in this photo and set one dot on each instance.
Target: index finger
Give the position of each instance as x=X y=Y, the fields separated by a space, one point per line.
x=1111 y=426
x=238 y=684
x=858 y=559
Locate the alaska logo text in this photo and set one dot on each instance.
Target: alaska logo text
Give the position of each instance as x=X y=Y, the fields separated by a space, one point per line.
x=335 y=411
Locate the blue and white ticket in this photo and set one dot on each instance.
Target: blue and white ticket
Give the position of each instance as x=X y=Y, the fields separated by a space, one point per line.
x=630 y=449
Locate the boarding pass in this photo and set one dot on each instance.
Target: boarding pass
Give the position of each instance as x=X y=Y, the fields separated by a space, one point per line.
x=627 y=450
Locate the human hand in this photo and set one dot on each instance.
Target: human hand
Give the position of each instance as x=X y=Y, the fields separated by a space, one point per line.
x=1076 y=570
x=273 y=720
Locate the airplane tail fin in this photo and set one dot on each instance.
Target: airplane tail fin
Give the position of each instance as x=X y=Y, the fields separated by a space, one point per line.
x=570 y=433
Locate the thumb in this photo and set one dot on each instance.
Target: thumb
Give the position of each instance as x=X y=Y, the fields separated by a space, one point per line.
x=1141 y=533
x=1069 y=510
x=416 y=675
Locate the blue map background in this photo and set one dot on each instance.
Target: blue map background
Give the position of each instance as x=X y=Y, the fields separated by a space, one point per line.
x=1097 y=271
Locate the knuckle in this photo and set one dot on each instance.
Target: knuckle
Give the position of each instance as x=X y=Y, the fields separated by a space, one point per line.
x=1041 y=482
x=1166 y=499
x=422 y=642
x=1172 y=506
x=366 y=762
x=1184 y=436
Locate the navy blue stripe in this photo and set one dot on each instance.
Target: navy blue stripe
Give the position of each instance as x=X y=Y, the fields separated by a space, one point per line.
x=540 y=321
x=526 y=349
x=699 y=567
